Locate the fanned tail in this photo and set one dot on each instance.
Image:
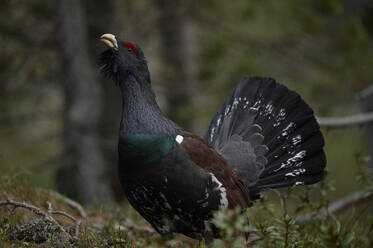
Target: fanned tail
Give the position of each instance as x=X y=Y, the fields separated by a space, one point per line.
x=269 y=135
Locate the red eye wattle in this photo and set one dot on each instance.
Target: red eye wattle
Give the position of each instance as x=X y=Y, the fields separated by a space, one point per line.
x=130 y=48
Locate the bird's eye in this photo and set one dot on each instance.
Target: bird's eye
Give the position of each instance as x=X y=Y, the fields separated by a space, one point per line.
x=130 y=48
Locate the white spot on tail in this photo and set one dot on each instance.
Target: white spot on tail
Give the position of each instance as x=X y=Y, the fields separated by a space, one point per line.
x=286 y=131
x=295 y=172
x=235 y=103
x=227 y=110
x=256 y=105
x=179 y=139
x=218 y=121
x=297 y=139
x=223 y=192
x=296 y=161
x=280 y=117
x=212 y=134
x=267 y=110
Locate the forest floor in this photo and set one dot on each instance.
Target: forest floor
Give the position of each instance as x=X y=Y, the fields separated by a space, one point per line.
x=36 y=217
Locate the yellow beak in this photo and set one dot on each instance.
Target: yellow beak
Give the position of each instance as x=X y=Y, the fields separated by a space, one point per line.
x=109 y=40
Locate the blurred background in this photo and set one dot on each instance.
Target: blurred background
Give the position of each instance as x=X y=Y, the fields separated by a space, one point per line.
x=59 y=118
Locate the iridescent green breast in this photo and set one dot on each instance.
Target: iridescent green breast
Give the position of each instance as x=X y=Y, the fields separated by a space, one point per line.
x=144 y=149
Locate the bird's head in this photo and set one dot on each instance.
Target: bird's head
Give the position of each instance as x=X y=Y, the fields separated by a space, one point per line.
x=122 y=59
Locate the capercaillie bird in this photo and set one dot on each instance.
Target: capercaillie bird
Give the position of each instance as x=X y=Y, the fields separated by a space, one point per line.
x=263 y=136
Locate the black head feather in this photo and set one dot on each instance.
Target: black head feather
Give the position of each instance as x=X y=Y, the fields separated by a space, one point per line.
x=127 y=60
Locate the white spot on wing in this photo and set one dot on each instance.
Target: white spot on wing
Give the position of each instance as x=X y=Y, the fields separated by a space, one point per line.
x=223 y=192
x=179 y=139
x=207 y=195
x=165 y=203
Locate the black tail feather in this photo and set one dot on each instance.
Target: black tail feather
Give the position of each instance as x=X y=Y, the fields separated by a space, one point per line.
x=281 y=143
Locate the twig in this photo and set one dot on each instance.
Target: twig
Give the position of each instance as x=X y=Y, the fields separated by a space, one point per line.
x=346 y=121
x=252 y=240
x=285 y=214
x=337 y=222
x=47 y=215
x=7 y=215
x=64 y=214
x=282 y=201
x=359 y=215
x=70 y=202
x=76 y=222
x=51 y=212
x=338 y=206
x=35 y=210
x=351 y=200
x=77 y=229
x=49 y=207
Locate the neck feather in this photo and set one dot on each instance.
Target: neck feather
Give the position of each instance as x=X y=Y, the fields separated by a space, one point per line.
x=141 y=113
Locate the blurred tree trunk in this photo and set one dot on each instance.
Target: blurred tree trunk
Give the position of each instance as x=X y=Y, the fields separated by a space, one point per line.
x=104 y=17
x=179 y=51
x=83 y=171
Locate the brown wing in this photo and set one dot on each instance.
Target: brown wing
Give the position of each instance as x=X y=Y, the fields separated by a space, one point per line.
x=207 y=158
